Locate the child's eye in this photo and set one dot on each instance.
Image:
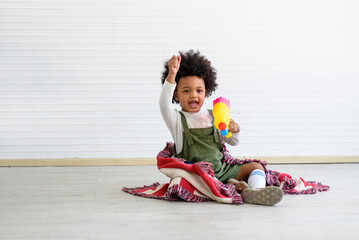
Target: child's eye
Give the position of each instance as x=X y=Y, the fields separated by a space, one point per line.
x=200 y=90
x=186 y=91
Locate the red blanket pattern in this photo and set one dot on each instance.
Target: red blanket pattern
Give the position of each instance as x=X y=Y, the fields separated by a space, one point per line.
x=195 y=182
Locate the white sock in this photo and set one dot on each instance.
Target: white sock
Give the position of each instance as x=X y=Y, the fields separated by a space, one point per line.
x=257 y=179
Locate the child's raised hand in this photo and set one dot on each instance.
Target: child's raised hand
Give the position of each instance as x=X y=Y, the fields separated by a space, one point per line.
x=233 y=126
x=174 y=65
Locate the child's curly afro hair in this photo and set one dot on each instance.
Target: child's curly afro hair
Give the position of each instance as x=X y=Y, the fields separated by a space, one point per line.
x=194 y=64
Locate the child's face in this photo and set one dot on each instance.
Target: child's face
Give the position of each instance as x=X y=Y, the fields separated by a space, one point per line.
x=190 y=92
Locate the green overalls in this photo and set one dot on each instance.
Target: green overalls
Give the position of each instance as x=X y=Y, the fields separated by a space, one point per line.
x=203 y=144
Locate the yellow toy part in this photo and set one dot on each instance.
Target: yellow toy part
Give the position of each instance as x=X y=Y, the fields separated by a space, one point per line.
x=221 y=116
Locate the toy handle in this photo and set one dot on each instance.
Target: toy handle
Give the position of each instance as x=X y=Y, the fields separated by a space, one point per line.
x=226 y=133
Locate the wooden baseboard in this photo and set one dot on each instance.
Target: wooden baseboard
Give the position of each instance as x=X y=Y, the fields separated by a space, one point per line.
x=310 y=159
x=152 y=161
x=76 y=162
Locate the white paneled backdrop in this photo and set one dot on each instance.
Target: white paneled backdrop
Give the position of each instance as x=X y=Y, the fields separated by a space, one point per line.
x=81 y=78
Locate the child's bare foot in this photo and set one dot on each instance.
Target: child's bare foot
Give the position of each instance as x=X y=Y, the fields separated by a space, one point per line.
x=239 y=185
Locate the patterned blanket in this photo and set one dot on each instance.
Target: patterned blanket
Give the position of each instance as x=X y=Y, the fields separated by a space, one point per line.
x=195 y=182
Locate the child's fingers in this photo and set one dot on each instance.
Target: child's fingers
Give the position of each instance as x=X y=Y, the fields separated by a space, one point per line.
x=173 y=59
x=174 y=63
x=233 y=126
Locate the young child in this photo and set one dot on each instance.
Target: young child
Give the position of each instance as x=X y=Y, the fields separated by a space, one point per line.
x=188 y=79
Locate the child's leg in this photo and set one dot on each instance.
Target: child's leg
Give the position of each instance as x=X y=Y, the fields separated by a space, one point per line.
x=243 y=177
x=244 y=173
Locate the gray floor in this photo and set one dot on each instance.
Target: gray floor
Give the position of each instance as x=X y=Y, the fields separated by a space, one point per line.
x=87 y=203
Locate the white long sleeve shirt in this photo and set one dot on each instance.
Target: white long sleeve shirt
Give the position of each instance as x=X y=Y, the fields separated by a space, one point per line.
x=172 y=118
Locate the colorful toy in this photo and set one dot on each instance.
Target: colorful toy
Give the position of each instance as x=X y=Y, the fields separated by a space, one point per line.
x=221 y=115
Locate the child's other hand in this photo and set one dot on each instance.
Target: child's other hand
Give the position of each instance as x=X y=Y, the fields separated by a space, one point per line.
x=174 y=65
x=233 y=127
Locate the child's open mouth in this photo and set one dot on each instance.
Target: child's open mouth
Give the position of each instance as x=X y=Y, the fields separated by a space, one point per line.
x=193 y=104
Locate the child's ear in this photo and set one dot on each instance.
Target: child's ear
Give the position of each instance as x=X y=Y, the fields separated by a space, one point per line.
x=175 y=96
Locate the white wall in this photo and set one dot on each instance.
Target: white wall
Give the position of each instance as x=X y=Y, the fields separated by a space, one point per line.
x=81 y=79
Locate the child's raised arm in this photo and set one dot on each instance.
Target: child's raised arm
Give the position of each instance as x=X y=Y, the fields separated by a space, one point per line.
x=169 y=113
x=173 y=67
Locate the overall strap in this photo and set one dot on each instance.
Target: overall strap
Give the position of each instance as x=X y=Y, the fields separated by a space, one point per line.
x=215 y=132
x=186 y=131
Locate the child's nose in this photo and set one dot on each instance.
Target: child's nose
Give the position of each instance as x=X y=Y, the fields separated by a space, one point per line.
x=194 y=95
